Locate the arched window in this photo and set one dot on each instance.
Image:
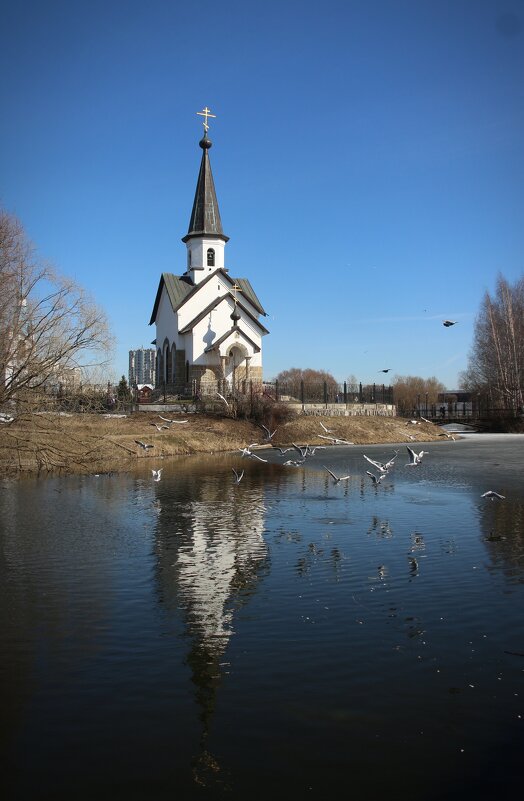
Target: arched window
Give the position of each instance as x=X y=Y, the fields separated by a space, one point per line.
x=210 y=257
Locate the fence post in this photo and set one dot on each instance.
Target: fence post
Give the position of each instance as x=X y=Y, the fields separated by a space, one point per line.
x=302 y=393
x=345 y=393
x=276 y=390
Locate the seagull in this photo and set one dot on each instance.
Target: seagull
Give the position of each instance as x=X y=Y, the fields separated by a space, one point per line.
x=311 y=451
x=282 y=450
x=291 y=463
x=302 y=450
x=157 y=474
x=335 y=478
x=335 y=441
x=238 y=476
x=144 y=445
x=414 y=458
x=386 y=370
x=269 y=435
x=491 y=494
x=381 y=467
x=376 y=479
x=254 y=456
x=247 y=450
x=171 y=421
x=327 y=430
x=447 y=323
x=160 y=428
x=222 y=398
x=425 y=419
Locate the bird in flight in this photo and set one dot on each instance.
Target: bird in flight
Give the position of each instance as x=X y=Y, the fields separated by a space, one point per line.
x=414 y=458
x=157 y=474
x=447 y=323
x=238 y=476
x=144 y=445
x=376 y=479
x=335 y=441
x=282 y=450
x=386 y=370
x=269 y=435
x=171 y=421
x=335 y=478
x=491 y=494
x=222 y=398
x=327 y=430
x=382 y=468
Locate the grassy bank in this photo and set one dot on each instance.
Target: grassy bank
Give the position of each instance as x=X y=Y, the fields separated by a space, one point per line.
x=83 y=443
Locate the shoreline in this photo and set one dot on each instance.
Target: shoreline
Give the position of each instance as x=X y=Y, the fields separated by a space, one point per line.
x=47 y=444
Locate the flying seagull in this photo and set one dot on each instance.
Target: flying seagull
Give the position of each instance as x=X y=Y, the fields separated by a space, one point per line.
x=157 y=474
x=222 y=398
x=327 y=430
x=491 y=494
x=447 y=323
x=247 y=450
x=335 y=478
x=269 y=435
x=386 y=370
x=160 y=428
x=335 y=441
x=282 y=450
x=376 y=479
x=144 y=445
x=171 y=421
x=414 y=458
x=238 y=476
x=311 y=451
x=383 y=467
x=301 y=449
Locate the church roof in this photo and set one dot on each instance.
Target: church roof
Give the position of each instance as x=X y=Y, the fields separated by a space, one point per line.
x=212 y=306
x=234 y=330
x=205 y=216
x=180 y=287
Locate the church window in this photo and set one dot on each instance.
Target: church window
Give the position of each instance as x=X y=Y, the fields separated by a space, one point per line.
x=210 y=257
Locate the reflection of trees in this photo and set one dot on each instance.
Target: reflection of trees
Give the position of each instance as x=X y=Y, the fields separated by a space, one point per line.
x=210 y=555
x=502 y=524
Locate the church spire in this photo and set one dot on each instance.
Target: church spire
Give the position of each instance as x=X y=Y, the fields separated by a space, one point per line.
x=205 y=216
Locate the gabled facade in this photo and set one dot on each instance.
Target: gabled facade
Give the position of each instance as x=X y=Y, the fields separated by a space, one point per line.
x=208 y=328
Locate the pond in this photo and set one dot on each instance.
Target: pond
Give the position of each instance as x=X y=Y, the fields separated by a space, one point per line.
x=197 y=638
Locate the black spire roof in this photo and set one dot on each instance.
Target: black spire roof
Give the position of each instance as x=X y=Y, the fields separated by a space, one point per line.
x=205 y=216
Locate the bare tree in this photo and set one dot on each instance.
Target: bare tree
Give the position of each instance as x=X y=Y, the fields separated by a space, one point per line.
x=496 y=361
x=410 y=389
x=49 y=327
x=313 y=379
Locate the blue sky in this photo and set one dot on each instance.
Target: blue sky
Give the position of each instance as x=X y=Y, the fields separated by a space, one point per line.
x=368 y=159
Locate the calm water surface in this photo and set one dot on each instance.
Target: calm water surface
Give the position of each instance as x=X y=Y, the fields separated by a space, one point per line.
x=193 y=638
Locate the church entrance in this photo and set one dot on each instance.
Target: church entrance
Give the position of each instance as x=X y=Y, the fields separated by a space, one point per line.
x=237 y=367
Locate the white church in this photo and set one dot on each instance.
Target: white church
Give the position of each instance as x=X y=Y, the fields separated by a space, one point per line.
x=208 y=328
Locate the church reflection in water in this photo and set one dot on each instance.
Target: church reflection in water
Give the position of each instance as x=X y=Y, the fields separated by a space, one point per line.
x=211 y=555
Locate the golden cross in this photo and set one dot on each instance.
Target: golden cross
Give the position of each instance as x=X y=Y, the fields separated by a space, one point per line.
x=235 y=288
x=206 y=113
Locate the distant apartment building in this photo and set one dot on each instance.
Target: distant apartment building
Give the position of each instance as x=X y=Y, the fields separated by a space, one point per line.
x=142 y=366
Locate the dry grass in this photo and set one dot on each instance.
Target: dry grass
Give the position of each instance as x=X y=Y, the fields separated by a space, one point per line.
x=86 y=443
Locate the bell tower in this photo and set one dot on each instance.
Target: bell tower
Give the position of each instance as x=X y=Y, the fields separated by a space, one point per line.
x=205 y=239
